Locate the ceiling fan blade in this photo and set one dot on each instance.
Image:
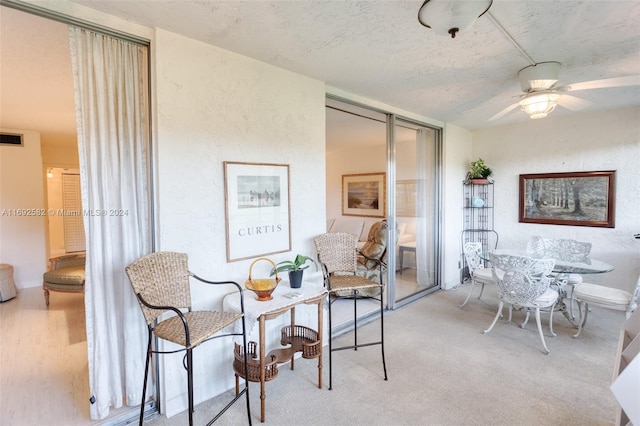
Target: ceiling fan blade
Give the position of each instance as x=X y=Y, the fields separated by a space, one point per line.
x=632 y=80
x=504 y=112
x=572 y=103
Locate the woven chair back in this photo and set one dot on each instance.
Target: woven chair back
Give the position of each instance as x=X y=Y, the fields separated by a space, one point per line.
x=162 y=279
x=338 y=251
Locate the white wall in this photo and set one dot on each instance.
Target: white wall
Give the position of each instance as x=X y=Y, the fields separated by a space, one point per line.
x=457 y=155
x=58 y=156
x=585 y=142
x=23 y=210
x=215 y=106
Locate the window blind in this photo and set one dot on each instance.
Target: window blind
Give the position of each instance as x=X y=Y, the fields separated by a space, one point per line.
x=74 y=239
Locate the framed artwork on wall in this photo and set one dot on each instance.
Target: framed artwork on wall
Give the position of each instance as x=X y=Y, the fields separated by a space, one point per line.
x=364 y=195
x=257 y=209
x=573 y=198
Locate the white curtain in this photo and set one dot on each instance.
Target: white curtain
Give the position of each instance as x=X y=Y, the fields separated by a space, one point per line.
x=110 y=83
x=422 y=205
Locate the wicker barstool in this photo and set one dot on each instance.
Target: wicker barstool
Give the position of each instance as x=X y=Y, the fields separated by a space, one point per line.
x=161 y=283
x=338 y=255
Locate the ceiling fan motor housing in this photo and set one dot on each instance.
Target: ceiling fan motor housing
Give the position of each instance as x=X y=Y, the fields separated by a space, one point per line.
x=540 y=76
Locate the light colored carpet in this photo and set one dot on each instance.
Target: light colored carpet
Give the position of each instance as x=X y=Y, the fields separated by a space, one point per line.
x=444 y=371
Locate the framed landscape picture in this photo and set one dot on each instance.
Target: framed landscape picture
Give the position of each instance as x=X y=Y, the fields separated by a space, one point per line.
x=573 y=198
x=257 y=209
x=364 y=195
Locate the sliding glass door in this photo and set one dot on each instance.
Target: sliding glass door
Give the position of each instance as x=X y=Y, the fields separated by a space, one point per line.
x=363 y=141
x=416 y=204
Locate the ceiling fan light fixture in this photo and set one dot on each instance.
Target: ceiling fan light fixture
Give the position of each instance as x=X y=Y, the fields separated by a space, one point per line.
x=539 y=105
x=451 y=16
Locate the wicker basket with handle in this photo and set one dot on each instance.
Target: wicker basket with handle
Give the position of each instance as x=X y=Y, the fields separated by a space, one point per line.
x=263 y=287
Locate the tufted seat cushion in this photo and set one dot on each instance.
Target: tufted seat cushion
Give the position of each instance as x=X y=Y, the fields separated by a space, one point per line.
x=484 y=274
x=547 y=298
x=602 y=295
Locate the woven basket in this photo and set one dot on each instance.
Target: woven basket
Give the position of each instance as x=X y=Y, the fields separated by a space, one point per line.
x=301 y=338
x=263 y=287
x=253 y=367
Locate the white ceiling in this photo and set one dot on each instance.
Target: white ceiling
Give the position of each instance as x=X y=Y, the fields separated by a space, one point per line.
x=378 y=49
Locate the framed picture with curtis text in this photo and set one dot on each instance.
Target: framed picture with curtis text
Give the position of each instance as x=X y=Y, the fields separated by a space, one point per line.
x=257 y=209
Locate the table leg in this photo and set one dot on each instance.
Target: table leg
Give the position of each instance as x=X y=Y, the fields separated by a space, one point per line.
x=293 y=323
x=566 y=301
x=401 y=256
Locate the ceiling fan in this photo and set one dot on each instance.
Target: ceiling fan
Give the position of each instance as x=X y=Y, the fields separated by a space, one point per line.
x=542 y=93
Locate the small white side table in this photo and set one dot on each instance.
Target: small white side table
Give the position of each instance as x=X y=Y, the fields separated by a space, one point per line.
x=411 y=247
x=259 y=312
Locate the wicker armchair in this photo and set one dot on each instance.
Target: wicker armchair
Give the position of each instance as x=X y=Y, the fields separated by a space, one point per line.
x=66 y=274
x=525 y=283
x=338 y=256
x=161 y=284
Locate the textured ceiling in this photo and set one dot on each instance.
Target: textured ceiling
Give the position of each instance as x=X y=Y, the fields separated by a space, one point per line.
x=379 y=50
x=376 y=49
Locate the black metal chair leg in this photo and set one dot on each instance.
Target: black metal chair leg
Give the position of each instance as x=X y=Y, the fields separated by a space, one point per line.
x=146 y=375
x=384 y=364
x=355 y=320
x=246 y=369
x=189 y=357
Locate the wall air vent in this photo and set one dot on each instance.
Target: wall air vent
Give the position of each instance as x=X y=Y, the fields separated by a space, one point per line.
x=11 y=139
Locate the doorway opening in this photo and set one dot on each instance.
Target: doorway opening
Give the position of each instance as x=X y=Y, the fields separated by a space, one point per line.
x=65 y=233
x=38 y=77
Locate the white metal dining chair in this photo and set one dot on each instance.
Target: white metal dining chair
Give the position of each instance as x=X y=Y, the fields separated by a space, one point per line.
x=525 y=283
x=478 y=273
x=560 y=249
x=587 y=294
x=568 y=250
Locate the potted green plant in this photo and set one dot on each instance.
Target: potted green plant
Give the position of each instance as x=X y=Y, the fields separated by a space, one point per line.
x=479 y=172
x=295 y=268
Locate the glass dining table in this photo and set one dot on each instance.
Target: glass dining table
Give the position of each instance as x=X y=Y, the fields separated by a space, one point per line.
x=562 y=269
